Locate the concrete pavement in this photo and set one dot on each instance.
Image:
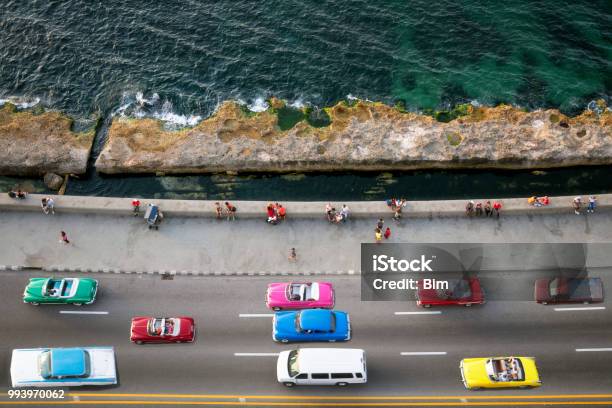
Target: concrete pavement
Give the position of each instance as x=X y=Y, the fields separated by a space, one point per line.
x=123 y=243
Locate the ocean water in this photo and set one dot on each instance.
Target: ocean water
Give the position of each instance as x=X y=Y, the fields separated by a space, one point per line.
x=176 y=60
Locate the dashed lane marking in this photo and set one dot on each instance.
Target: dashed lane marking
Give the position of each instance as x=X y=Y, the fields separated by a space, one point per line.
x=79 y=312
x=584 y=350
x=577 y=309
x=429 y=312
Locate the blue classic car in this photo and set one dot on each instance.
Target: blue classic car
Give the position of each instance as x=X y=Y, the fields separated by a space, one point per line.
x=311 y=325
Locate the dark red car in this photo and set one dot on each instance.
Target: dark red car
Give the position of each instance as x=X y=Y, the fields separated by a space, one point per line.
x=162 y=330
x=569 y=290
x=464 y=292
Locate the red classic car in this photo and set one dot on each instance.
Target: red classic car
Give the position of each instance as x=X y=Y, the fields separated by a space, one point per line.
x=465 y=292
x=162 y=330
x=569 y=290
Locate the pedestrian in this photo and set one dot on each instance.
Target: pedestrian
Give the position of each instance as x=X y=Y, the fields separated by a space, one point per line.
x=281 y=212
x=292 y=255
x=345 y=212
x=469 y=208
x=487 y=209
x=64 y=237
x=136 y=207
x=387 y=233
x=230 y=211
x=272 y=217
x=478 y=209
x=218 y=210
x=378 y=235
x=497 y=206
x=380 y=224
x=43 y=204
x=592 y=204
x=50 y=205
x=577 y=204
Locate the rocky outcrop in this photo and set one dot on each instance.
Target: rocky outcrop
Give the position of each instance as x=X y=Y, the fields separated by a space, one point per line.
x=362 y=136
x=36 y=144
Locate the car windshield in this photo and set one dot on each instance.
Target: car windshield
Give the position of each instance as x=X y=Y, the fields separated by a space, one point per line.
x=293 y=363
x=457 y=289
x=44 y=364
x=554 y=287
x=505 y=369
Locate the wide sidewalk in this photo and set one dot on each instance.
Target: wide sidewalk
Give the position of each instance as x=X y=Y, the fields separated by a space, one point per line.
x=191 y=244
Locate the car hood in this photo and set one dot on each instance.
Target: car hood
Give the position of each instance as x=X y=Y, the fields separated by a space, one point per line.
x=284 y=322
x=542 y=293
x=277 y=292
x=475 y=371
x=35 y=287
x=24 y=366
x=139 y=326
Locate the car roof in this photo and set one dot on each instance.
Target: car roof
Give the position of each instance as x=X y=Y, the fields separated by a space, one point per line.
x=322 y=360
x=68 y=362
x=316 y=319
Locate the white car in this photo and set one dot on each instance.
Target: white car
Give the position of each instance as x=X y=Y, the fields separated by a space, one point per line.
x=63 y=367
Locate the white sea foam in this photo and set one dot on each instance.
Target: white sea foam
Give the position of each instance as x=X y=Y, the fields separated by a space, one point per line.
x=259 y=105
x=136 y=105
x=297 y=104
x=351 y=97
x=20 y=103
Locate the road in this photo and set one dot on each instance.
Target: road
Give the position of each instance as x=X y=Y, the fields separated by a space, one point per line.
x=210 y=365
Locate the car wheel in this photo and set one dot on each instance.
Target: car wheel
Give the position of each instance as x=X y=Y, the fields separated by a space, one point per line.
x=586 y=302
x=474 y=388
x=138 y=342
x=426 y=306
x=276 y=309
x=289 y=384
x=35 y=303
x=78 y=304
x=524 y=387
x=284 y=341
x=178 y=341
x=544 y=303
x=468 y=305
x=332 y=341
x=341 y=384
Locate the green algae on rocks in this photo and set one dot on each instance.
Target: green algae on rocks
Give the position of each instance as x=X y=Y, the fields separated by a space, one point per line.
x=36 y=142
x=360 y=135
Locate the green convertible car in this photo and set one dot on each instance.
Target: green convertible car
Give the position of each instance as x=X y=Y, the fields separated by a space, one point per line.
x=74 y=291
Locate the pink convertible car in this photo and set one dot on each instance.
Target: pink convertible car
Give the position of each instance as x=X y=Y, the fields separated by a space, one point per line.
x=300 y=295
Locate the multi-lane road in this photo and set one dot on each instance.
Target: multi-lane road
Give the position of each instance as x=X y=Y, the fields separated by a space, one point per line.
x=413 y=354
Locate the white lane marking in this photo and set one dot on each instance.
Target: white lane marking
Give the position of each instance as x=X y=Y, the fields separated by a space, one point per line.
x=256 y=315
x=594 y=349
x=82 y=312
x=423 y=353
x=571 y=309
x=256 y=354
x=430 y=312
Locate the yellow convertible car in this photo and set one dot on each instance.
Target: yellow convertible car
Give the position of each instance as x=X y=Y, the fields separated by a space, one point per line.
x=499 y=372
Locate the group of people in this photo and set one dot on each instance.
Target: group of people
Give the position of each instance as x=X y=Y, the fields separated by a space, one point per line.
x=396 y=206
x=378 y=231
x=48 y=205
x=577 y=204
x=276 y=213
x=336 y=217
x=17 y=194
x=478 y=209
x=228 y=210
x=538 y=201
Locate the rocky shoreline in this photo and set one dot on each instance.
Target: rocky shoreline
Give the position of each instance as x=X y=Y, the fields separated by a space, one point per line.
x=349 y=136
x=41 y=143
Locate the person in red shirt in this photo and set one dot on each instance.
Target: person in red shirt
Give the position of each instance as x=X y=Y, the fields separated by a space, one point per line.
x=281 y=211
x=136 y=207
x=497 y=206
x=387 y=233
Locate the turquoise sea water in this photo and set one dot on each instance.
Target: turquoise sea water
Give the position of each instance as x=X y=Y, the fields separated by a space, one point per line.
x=177 y=59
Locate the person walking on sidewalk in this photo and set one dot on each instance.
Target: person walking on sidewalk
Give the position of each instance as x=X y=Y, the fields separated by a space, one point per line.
x=292 y=255
x=378 y=235
x=218 y=210
x=380 y=224
x=135 y=207
x=592 y=204
x=497 y=206
x=577 y=204
x=387 y=233
x=230 y=211
x=487 y=209
x=64 y=237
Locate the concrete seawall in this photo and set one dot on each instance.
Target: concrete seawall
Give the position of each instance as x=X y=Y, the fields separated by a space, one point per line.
x=302 y=209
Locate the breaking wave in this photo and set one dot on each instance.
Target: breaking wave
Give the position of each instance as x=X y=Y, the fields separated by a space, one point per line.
x=136 y=105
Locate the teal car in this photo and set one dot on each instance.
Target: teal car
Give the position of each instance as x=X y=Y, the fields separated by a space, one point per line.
x=66 y=291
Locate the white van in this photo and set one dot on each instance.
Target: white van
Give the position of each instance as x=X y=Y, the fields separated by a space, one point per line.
x=321 y=366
